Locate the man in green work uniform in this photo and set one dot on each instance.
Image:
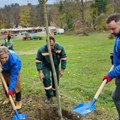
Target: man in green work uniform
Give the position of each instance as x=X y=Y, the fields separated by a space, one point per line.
x=44 y=66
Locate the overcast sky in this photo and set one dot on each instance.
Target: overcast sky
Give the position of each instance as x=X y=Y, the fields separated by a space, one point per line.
x=22 y=2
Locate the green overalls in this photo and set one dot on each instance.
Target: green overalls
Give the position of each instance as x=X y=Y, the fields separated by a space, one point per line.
x=43 y=63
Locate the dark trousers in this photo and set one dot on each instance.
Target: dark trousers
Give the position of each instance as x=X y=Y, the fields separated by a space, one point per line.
x=17 y=96
x=48 y=81
x=116 y=97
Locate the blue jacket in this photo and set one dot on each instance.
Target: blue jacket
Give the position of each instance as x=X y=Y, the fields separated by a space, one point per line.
x=12 y=66
x=115 y=73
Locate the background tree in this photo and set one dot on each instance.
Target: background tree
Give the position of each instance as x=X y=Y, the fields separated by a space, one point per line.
x=51 y=59
x=62 y=15
x=25 y=16
x=35 y=17
x=81 y=7
x=42 y=23
x=101 y=6
x=1 y=24
x=92 y=10
x=69 y=14
x=77 y=16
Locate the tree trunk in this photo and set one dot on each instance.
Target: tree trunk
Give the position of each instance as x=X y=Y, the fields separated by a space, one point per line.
x=51 y=59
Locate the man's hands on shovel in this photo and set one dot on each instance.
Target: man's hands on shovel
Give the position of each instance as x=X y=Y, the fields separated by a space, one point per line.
x=106 y=77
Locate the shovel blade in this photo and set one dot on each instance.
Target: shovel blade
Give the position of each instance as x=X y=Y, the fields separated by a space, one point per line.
x=84 y=108
x=19 y=117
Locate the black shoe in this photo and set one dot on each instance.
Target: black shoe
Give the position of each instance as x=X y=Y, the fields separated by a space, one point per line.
x=48 y=101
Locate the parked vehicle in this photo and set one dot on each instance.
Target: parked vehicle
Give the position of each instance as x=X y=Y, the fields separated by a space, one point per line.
x=53 y=30
x=37 y=37
x=27 y=37
x=60 y=31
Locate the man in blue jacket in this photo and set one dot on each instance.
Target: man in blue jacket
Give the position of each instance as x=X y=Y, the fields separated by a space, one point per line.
x=11 y=66
x=113 y=24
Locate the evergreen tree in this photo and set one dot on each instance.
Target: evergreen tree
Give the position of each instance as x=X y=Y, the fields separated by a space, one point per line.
x=101 y=6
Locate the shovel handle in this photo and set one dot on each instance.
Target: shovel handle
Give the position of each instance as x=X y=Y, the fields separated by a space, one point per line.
x=102 y=86
x=6 y=88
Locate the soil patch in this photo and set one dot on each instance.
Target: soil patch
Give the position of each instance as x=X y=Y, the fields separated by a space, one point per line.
x=36 y=109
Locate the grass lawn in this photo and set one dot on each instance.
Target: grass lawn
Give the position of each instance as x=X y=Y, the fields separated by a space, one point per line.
x=88 y=60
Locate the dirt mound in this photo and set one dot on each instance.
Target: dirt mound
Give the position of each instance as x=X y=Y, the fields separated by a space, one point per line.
x=36 y=109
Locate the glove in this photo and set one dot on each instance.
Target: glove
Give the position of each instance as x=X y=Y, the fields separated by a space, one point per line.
x=107 y=78
x=10 y=92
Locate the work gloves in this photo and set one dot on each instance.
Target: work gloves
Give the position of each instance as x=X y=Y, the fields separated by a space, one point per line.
x=10 y=92
x=107 y=78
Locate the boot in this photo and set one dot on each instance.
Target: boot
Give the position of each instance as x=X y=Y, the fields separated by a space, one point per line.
x=18 y=104
x=6 y=101
x=48 y=100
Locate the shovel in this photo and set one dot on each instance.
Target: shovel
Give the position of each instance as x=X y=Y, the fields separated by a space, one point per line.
x=17 y=116
x=85 y=108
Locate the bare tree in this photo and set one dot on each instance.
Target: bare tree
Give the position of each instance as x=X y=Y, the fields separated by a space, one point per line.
x=82 y=12
x=51 y=58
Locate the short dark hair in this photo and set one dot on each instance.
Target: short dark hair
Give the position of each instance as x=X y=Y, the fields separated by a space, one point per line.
x=114 y=17
x=51 y=38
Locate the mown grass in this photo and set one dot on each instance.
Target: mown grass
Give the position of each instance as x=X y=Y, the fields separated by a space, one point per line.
x=88 y=60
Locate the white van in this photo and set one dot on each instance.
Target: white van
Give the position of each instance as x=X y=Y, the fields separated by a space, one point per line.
x=60 y=31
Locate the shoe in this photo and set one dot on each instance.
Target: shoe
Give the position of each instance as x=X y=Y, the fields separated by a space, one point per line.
x=18 y=105
x=6 y=101
x=48 y=101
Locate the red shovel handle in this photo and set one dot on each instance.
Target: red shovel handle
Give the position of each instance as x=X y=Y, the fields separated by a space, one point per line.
x=101 y=87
